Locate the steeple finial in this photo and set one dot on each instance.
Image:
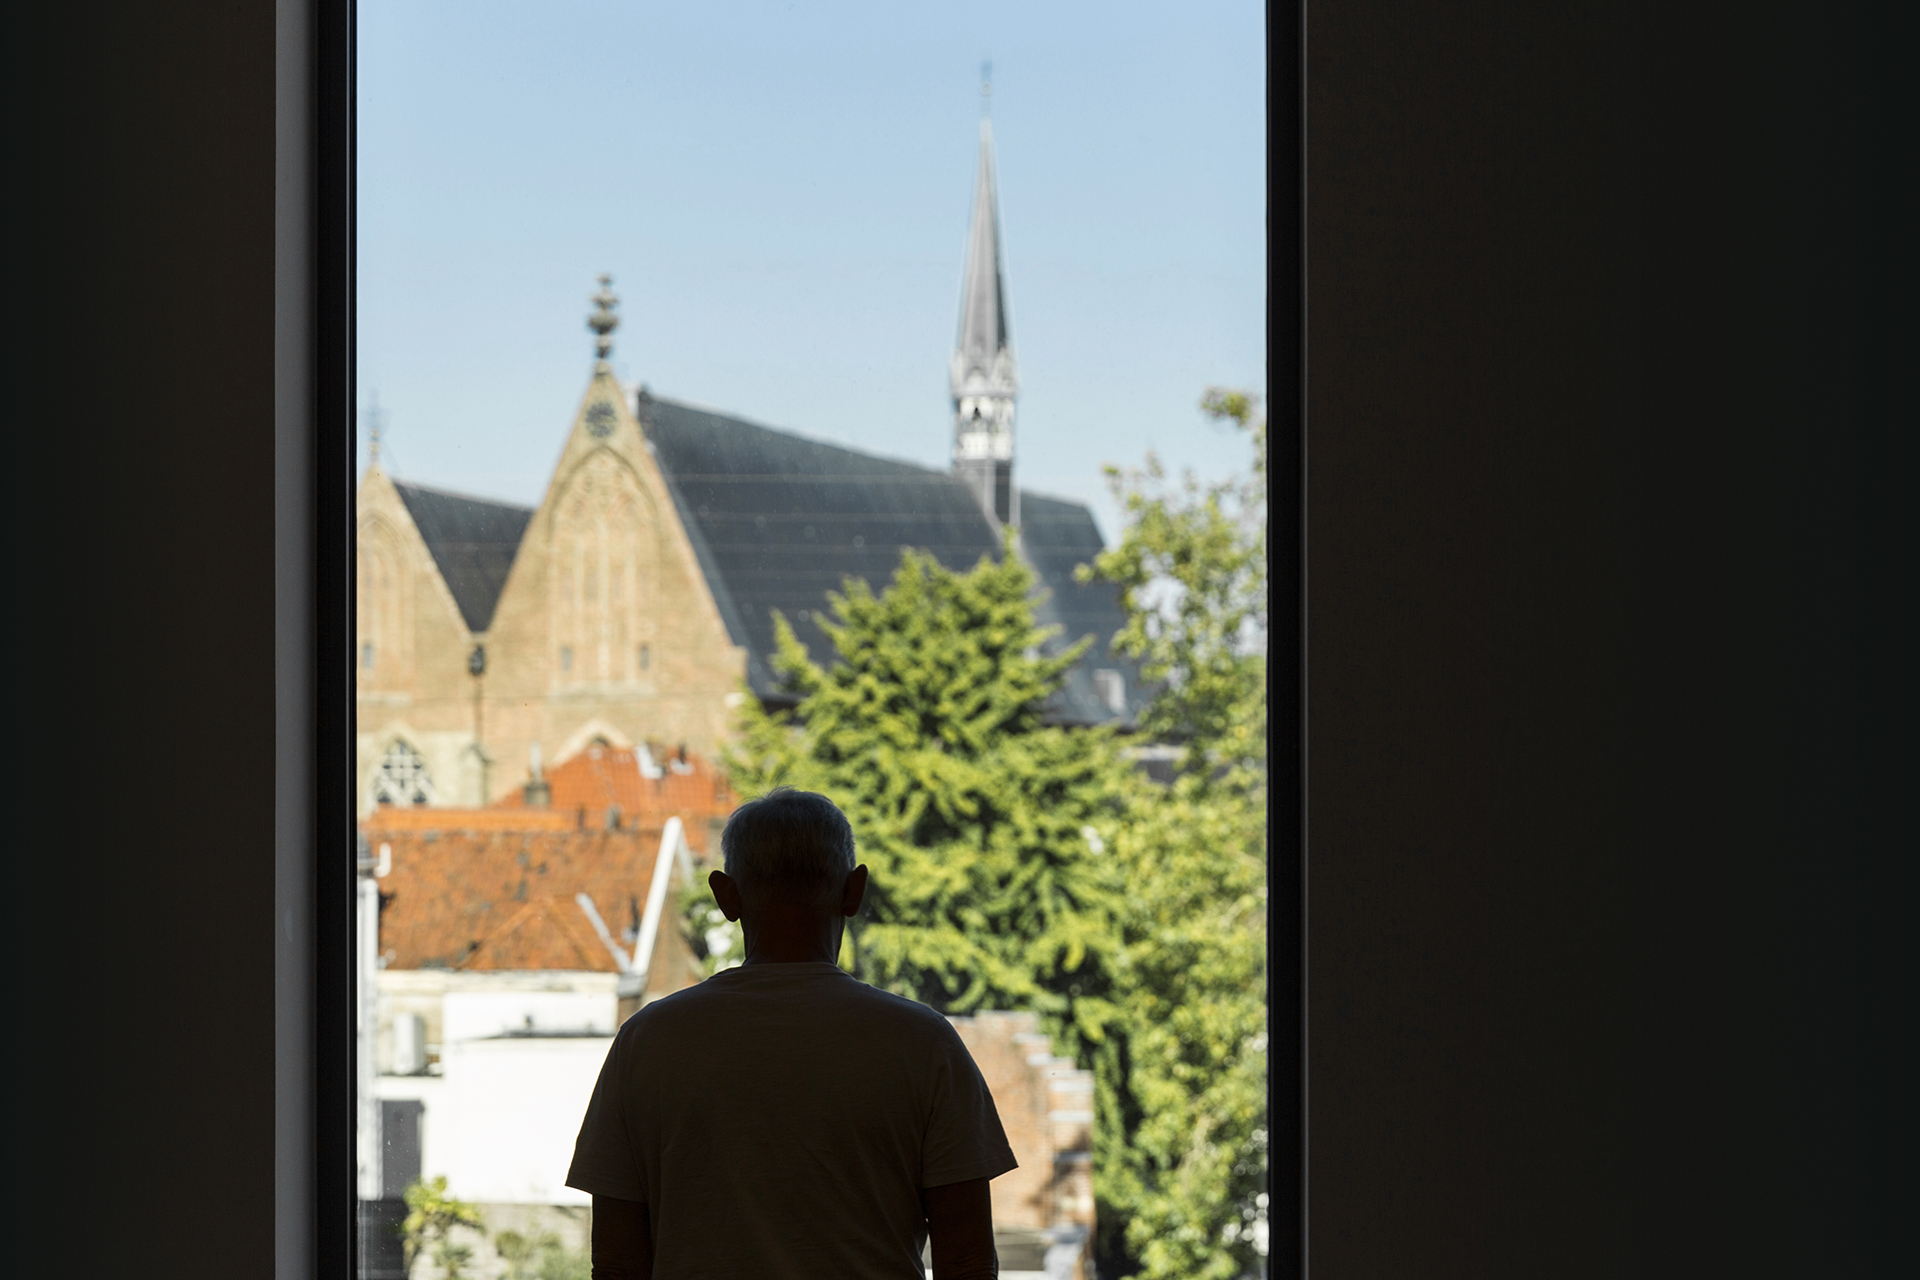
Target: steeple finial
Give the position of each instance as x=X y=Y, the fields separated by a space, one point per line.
x=603 y=321
x=986 y=87
x=984 y=378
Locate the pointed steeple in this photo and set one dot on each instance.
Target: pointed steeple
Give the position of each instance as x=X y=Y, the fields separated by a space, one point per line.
x=984 y=377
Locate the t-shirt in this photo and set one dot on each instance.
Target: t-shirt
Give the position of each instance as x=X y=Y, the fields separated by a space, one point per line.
x=780 y=1120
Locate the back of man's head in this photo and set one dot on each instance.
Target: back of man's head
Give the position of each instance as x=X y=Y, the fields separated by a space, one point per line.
x=788 y=845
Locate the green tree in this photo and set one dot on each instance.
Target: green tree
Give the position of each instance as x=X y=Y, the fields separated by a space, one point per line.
x=972 y=814
x=1192 y=574
x=1023 y=866
x=1181 y=1164
x=541 y=1257
x=432 y=1215
x=1180 y=1160
x=717 y=942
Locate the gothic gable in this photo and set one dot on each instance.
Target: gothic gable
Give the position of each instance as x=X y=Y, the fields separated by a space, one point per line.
x=383 y=603
x=603 y=550
x=404 y=605
x=605 y=576
x=605 y=616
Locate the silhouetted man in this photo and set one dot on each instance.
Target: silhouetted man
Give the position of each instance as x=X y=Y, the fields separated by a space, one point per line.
x=783 y=1119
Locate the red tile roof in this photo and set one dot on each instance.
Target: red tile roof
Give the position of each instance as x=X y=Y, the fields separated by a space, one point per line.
x=547 y=933
x=494 y=888
x=389 y=819
x=600 y=777
x=449 y=892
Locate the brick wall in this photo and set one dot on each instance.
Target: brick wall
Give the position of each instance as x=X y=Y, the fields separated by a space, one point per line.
x=1046 y=1105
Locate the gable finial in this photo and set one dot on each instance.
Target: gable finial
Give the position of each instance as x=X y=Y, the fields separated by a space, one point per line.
x=376 y=421
x=603 y=321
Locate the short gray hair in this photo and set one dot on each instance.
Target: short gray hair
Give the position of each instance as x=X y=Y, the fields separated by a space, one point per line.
x=797 y=843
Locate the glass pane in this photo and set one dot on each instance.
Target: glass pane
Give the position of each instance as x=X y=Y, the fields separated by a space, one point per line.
x=758 y=395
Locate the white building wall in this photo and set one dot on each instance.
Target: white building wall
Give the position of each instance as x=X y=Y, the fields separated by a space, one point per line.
x=517 y=1056
x=481 y=1015
x=424 y=992
x=513 y=1109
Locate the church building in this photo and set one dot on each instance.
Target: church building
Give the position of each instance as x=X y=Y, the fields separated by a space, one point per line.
x=633 y=608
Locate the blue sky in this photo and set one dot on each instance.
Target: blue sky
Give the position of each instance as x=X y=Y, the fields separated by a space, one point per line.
x=781 y=192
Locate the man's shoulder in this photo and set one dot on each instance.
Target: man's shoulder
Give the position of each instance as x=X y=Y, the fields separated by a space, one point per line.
x=886 y=1004
x=870 y=1016
x=833 y=993
x=669 y=1008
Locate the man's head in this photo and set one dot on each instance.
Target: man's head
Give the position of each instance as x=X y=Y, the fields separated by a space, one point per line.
x=790 y=873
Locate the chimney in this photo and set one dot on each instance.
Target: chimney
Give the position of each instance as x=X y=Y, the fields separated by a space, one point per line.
x=409 y=1044
x=537 y=793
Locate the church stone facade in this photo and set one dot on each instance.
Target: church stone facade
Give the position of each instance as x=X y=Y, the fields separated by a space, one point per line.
x=603 y=626
x=633 y=608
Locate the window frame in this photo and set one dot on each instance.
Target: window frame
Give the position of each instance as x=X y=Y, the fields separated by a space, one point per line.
x=331 y=27
x=316 y=129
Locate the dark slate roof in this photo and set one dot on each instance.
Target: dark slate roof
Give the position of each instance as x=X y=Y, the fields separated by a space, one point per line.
x=472 y=540
x=1058 y=536
x=778 y=521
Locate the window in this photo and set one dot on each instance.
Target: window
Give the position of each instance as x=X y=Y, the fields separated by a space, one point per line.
x=727 y=446
x=402 y=778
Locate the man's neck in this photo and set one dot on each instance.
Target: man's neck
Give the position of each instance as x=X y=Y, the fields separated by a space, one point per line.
x=792 y=941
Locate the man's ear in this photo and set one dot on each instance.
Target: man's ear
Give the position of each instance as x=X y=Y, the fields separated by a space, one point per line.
x=726 y=894
x=855 y=892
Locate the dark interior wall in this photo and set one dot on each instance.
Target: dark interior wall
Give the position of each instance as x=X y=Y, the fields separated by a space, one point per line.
x=1611 y=639
x=139 y=365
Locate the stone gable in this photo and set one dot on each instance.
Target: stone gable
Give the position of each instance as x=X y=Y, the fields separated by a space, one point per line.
x=410 y=653
x=603 y=618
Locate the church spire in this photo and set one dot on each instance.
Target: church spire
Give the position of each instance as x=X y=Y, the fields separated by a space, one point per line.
x=983 y=375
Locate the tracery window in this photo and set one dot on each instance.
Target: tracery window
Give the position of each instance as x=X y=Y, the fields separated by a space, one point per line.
x=402 y=779
x=602 y=569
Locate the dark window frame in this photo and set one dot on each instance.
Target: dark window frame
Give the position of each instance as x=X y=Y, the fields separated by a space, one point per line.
x=337 y=1245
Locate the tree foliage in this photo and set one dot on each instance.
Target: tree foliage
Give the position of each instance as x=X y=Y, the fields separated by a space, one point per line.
x=1182 y=1112
x=541 y=1257
x=432 y=1215
x=1192 y=574
x=972 y=814
x=1180 y=1159
x=1019 y=865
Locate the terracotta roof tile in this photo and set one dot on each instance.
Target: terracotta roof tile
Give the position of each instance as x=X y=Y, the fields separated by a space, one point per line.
x=448 y=892
x=494 y=888
x=547 y=933
x=590 y=784
x=387 y=818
